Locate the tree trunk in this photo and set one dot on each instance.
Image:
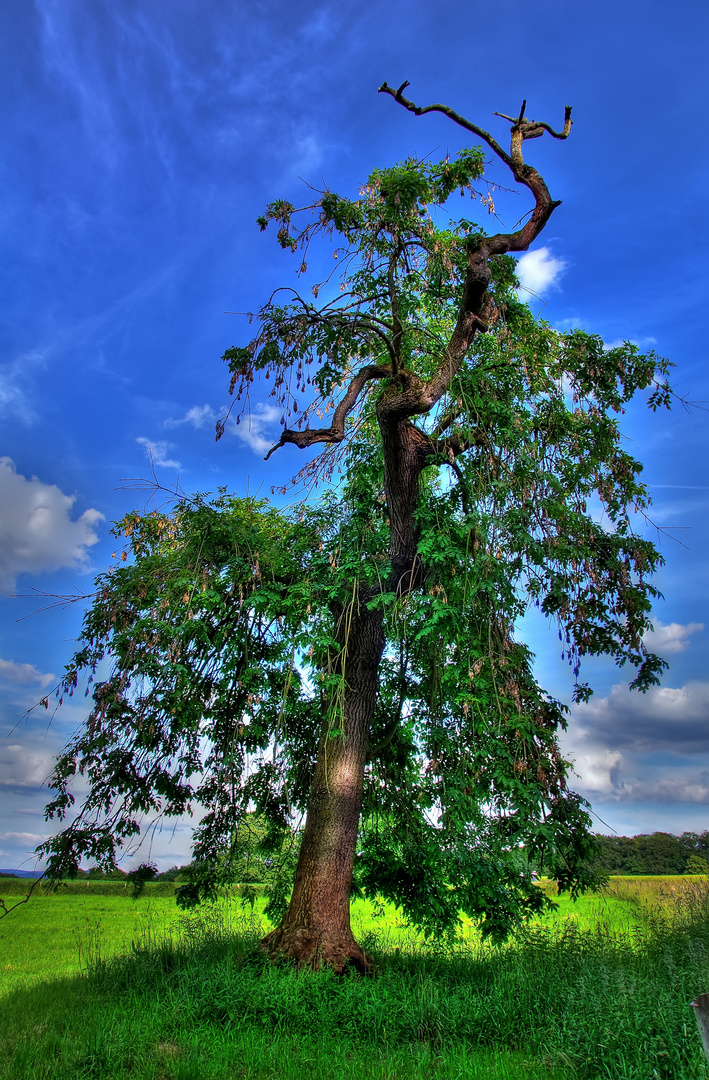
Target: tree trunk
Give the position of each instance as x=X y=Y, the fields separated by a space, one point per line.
x=315 y=929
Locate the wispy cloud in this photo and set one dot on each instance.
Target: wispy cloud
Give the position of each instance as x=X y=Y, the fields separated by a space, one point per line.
x=36 y=530
x=15 y=397
x=198 y=416
x=23 y=673
x=539 y=270
x=157 y=450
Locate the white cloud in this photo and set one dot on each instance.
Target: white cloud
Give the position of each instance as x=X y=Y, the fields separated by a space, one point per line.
x=252 y=428
x=23 y=673
x=156 y=451
x=23 y=837
x=599 y=770
x=36 y=531
x=670 y=638
x=642 y=343
x=539 y=270
x=198 y=416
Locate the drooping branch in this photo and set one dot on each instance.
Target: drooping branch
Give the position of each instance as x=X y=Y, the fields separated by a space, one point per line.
x=336 y=432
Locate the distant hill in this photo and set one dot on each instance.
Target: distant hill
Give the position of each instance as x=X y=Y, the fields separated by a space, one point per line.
x=20 y=873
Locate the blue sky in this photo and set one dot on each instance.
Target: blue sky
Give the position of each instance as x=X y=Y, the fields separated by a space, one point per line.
x=140 y=142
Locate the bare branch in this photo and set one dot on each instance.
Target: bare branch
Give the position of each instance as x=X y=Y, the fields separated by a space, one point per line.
x=336 y=432
x=5 y=910
x=417 y=110
x=475 y=304
x=524 y=174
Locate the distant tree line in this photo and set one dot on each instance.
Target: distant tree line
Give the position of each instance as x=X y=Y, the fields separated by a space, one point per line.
x=656 y=853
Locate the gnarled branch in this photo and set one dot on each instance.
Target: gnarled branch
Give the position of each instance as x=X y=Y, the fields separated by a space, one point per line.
x=473 y=311
x=336 y=432
x=524 y=174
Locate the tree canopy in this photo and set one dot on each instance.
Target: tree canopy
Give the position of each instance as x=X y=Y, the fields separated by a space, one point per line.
x=353 y=658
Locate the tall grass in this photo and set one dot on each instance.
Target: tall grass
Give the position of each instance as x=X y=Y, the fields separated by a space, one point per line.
x=563 y=999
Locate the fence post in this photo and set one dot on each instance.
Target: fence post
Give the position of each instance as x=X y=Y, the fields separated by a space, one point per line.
x=701 y=1011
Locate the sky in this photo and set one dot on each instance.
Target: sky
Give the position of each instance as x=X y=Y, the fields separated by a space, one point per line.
x=140 y=141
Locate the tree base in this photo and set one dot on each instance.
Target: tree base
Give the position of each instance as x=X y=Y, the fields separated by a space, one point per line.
x=310 y=949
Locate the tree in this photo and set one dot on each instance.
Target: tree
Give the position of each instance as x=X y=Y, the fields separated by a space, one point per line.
x=355 y=658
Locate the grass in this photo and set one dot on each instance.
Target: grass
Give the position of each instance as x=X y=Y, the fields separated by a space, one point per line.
x=100 y=986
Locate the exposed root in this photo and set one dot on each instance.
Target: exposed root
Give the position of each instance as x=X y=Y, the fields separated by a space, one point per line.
x=310 y=949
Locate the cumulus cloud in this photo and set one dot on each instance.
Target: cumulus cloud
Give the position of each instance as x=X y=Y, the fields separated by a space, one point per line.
x=665 y=719
x=23 y=673
x=157 y=452
x=539 y=270
x=36 y=530
x=643 y=748
x=24 y=767
x=198 y=416
x=599 y=770
x=670 y=638
x=253 y=427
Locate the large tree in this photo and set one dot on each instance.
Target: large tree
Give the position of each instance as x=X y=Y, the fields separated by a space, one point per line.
x=354 y=659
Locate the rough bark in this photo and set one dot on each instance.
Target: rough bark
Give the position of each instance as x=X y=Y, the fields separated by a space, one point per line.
x=315 y=929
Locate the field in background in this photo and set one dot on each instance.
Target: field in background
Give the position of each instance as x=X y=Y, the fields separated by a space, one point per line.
x=94 y=984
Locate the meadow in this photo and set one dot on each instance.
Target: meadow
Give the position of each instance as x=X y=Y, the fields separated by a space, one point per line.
x=94 y=984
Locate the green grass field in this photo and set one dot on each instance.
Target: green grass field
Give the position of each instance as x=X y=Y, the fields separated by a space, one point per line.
x=93 y=984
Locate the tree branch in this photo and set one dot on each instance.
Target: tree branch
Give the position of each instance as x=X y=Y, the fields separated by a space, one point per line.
x=417 y=110
x=475 y=303
x=336 y=432
x=524 y=174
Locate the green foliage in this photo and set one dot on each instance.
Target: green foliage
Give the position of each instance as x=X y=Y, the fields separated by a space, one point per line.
x=139 y=877
x=659 y=853
x=210 y=649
